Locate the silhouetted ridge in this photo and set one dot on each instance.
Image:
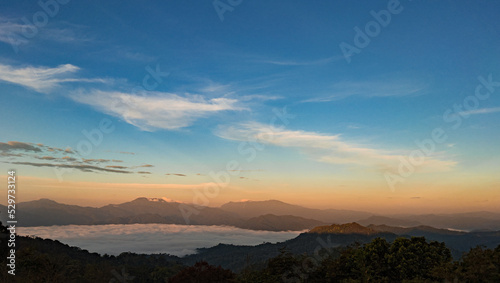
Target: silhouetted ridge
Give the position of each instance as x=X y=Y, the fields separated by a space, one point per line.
x=271 y=222
x=348 y=228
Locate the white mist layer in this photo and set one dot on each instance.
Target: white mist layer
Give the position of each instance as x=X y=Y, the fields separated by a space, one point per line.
x=172 y=239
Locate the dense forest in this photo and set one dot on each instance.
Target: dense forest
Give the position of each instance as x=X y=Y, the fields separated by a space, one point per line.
x=402 y=260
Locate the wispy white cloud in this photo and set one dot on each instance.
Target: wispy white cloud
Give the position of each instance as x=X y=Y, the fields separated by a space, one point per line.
x=148 y=110
x=14 y=31
x=156 y=110
x=480 y=111
x=242 y=93
x=259 y=97
x=211 y=87
x=321 y=61
x=326 y=148
x=42 y=79
x=353 y=126
x=9 y=32
x=369 y=89
x=64 y=35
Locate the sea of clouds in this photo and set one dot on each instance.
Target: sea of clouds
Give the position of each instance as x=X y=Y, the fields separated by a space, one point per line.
x=172 y=239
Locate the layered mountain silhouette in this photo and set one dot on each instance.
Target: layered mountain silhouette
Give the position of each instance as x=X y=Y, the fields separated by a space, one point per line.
x=236 y=257
x=248 y=209
x=271 y=215
x=381 y=220
x=482 y=220
x=348 y=228
x=457 y=241
x=340 y=235
x=45 y=212
x=271 y=222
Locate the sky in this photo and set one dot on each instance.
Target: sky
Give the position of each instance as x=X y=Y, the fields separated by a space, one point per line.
x=380 y=106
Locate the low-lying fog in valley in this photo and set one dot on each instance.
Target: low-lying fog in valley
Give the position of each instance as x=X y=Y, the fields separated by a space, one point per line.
x=172 y=239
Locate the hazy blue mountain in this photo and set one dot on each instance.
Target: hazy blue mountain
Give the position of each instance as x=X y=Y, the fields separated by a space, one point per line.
x=271 y=222
x=348 y=228
x=333 y=236
x=142 y=210
x=249 y=209
x=272 y=215
x=46 y=212
x=462 y=221
x=236 y=257
x=415 y=231
x=381 y=220
x=457 y=241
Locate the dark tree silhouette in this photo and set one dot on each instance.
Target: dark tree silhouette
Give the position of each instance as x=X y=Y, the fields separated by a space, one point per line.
x=202 y=272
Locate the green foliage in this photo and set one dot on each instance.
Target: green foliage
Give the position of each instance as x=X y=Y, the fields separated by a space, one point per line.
x=379 y=261
x=403 y=260
x=416 y=259
x=43 y=260
x=202 y=272
x=348 y=228
x=480 y=265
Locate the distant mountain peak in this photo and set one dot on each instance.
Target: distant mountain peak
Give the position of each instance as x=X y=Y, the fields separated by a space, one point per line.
x=156 y=199
x=160 y=200
x=276 y=201
x=258 y=201
x=348 y=228
x=47 y=200
x=43 y=201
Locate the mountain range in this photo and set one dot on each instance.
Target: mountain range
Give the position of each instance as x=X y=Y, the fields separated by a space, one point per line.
x=333 y=236
x=270 y=215
x=45 y=212
x=316 y=243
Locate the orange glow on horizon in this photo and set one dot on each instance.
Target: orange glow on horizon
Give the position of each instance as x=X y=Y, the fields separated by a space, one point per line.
x=443 y=198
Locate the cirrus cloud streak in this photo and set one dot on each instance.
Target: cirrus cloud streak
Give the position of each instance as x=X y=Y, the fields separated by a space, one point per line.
x=157 y=110
x=42 y=79
x=327 y=148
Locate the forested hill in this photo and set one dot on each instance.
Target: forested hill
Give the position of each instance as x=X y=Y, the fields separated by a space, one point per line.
x=348 y=228
x=378 y=260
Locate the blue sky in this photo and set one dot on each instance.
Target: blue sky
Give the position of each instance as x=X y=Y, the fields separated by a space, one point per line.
x=185 y=92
